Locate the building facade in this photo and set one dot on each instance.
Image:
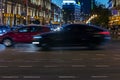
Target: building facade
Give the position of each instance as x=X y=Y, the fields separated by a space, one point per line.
x=71 y=11
x=14 y=12
x=114 y=6
x=57 y=2
x=56 y=7
x=86 y=7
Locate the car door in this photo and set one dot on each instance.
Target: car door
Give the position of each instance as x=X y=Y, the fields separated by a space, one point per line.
x=33 y=30
x=60 y=38
x=75 y=34
x=83 y=35
x=66 y=37
x=69 y=35
x=22 y=35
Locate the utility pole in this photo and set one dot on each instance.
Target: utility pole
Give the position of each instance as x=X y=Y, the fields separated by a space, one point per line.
x=1 y=12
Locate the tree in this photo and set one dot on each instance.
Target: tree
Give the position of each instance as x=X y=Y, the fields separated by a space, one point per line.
x=102 y=13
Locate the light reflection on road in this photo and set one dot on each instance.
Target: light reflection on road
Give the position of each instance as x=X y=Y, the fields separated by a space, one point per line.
x=26 y=48
x=2 y=47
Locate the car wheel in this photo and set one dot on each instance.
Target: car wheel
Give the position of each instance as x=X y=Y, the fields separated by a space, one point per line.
x=45 y=46
x=38 y=45
x=7 y=42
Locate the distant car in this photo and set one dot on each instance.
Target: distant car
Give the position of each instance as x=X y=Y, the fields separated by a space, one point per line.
x=23 y=34
x=73 y=35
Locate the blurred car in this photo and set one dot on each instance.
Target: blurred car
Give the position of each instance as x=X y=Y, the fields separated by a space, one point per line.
x=22 y=34
x=73 y=35
x=4 y=29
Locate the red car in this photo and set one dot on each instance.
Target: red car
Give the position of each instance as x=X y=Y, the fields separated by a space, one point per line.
x=22 y=35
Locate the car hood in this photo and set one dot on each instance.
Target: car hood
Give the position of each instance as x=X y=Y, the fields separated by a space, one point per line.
x=49 y=33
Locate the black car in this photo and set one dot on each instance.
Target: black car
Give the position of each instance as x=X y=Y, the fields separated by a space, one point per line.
x=73 y=35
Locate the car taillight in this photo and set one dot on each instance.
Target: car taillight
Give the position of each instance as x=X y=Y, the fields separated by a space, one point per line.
x=104 y=33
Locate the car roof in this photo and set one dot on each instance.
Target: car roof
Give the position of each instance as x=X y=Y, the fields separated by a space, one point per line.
x=86 y=25
x=36 y=25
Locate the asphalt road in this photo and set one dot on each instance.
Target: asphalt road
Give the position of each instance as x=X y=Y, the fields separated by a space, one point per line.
x=27 y=62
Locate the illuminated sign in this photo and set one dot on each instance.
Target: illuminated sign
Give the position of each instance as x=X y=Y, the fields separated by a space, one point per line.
x=69 y=1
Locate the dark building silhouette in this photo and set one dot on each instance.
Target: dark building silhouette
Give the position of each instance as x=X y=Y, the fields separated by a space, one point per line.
x=86 y=5
x=71 y=12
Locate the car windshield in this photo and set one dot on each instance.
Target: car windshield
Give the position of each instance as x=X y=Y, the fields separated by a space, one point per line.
x=59 y=39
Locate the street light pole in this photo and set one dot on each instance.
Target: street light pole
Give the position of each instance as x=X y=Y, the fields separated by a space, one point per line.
x=1 y=12
x=26 y=11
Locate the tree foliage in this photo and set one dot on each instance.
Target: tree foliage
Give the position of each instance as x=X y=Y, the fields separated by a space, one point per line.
x=103 y=14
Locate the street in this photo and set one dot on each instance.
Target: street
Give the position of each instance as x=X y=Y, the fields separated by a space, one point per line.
x=27 y=62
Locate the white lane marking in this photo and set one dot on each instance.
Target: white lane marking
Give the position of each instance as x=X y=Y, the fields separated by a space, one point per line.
x=31 y=61
x=118 y=55
x=50 y=66
x=9 y=76
x=99 y=76
x=66 y=76
x=8 y=61
x=97 y=58
x=116 y=58
x=3 y=66
x=78 y=65
x=102 y=65
x=25 y=66
x=77 y=59
x=83 y=54
x=31 y=76
x=100 y=54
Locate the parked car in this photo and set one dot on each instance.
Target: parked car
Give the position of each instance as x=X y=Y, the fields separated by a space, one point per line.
x=73 y=35
x=22 y=34
x=4 y=29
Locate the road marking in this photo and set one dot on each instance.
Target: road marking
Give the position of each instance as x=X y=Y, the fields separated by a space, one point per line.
x=77 y=59
x=100 y=54
x=97 y=58
x=78 y=65
x=116 y=58
x=25 y=66
x=117 y=55
x=29 y=61
x=31 y=76
x=3 y=66
x=42 y=59
x=66 y=77
x=102 y=65
x=8 y=61
x=10 y=76
x=99 y=76
x=50 y=66
x=84 y=54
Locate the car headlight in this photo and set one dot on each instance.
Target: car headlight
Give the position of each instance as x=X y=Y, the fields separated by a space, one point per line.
x=37 y=37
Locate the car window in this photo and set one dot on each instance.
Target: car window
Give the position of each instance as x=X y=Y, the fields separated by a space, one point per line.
x=33 y=29
x=75 y=28
x=25 y=29
x=91 y=29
